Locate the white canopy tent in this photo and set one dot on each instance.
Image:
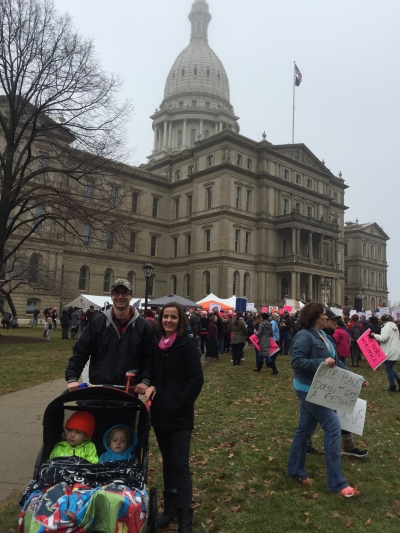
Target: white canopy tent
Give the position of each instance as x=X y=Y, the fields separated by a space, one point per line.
x=84 y=301
x=211 y=299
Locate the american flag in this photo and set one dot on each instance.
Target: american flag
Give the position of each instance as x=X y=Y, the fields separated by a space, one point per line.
x=297 y=76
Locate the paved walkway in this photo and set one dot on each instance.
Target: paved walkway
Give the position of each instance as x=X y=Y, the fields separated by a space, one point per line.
x=21 y=415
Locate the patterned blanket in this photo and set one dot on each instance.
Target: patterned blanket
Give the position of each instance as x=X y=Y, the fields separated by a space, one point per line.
x=72 y=495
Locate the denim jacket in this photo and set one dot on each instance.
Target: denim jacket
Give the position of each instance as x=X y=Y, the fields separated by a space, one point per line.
x=307 y=352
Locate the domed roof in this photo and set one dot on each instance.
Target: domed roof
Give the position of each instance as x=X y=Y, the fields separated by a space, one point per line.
x=197 y=69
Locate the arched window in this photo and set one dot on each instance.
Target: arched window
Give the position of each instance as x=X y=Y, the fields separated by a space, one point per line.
x=192 y=137
x=235 y=286
x=83 y=284
x=183 y=72
x=186 y=285
x=173 y=284
x=151 y=285
x=195 y=70
x=246 y=285
x=180 y=138
x=373 y=304
x=108 y=278
x=131 y=277
x=34 y=267
x=284 y=288
x=206 y=134
x=206 y=282
x=208 y=72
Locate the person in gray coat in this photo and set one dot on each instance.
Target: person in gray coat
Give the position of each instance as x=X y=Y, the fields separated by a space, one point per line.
x=264 y=334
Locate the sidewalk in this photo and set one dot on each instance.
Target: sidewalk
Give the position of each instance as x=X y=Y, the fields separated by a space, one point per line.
x=21 y=415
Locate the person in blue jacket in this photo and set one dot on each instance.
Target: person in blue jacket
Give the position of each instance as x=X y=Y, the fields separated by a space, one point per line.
x=119 y=442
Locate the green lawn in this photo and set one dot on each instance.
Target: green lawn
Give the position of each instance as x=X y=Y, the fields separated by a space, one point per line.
x=244 y=425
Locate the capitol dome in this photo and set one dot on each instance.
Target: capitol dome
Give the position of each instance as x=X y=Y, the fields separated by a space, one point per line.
x=196 y=100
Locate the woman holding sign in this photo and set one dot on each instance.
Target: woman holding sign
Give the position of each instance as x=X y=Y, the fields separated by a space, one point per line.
x=311 y=347
x=390 y=344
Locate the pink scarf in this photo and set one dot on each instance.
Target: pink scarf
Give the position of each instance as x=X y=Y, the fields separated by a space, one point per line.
x=165 y=344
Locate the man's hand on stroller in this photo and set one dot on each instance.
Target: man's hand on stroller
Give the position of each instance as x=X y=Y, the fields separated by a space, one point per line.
x=150 y=393
x=140 y=388
x=72 y=385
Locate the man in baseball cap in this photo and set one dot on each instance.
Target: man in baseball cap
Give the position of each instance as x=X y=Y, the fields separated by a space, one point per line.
x=116 y=341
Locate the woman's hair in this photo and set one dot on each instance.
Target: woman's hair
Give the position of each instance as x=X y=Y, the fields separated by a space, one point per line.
x=124 y=430
x=213 y=318
x=183 y=321
x=374 y=319
x=310 y=313
x=239 y=314
x=275 y=316
x=387 y=318
x=340 y=322
x=265 y=316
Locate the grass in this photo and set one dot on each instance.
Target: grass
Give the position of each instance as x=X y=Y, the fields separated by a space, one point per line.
x=244 y=425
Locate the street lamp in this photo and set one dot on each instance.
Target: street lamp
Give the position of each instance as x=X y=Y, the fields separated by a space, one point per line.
x=147 y=271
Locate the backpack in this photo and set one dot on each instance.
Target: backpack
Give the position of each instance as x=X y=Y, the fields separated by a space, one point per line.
x=355 y=331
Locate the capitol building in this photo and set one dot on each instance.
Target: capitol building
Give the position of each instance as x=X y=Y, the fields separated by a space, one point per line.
x=215 y=211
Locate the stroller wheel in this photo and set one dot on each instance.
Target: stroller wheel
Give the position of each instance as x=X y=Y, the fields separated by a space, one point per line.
x=152 y=520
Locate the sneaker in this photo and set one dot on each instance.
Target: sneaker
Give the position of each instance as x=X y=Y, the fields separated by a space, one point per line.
x=349 y=492
x=356 y=452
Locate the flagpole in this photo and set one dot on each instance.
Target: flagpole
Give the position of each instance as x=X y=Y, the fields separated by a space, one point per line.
x=294 y=86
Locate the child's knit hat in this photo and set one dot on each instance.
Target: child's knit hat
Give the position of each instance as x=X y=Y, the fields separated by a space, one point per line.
x=83 y=421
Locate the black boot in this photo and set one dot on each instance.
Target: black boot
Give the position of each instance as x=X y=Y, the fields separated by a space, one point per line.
x=185 y=518
x=170 y=509
x=392 y=388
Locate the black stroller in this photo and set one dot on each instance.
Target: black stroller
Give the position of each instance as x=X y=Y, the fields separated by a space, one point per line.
x=110 y=406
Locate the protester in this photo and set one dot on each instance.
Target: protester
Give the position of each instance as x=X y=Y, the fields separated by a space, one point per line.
x=239 y=338
x=212 y=339
x=64 y=322
x=264 y=333
x=177 y=384
x=285 y=327
x=390 y=344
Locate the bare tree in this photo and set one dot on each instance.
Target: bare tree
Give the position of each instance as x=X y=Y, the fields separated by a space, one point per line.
x=61 y=134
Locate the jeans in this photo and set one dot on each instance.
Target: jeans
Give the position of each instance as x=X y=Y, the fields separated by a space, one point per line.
x=285 y=342
x=221 y=344
x=203 y=340
x=175 y=450
x=237 y=353
x=310 y=415
x=34 y=321
x=212 y=349
x=391 y=373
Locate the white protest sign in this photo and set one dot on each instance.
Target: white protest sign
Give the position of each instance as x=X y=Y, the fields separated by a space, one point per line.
x=384 y=310
x=354 y=422
x=335 y=388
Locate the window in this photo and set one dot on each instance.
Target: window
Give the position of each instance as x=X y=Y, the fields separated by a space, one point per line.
x=131 y=277
x=373 y=279
x=37 y=213
x=248 y=200
x=133 y=242
x=335 y=196
x=189 y=202
x=210 y=160
x=135 y=202
x=379 y=253
x=379 y=279
x=298 y=179
x=153 y=245
x=309 y=183
x=186 y=285
x=345 y=249
x=284 y=248
x=208 y=197
x=237 y=241
x=192 y=137
x=246 y=285
x=298 y=207
x=309 y=211
x=239 y=160
x=247 y=242
x=190 y=170
x=173 y=284
x=86 y=234
x=194 y=103
x=206 y=134
x=235 y=285
x=34 y=267
x=285 y=206
x=346 y=276
x=180 y=105
x=208 y=105
x=364 y=277
x=195 y=71
x=238 y=196
x=113 y=197
x=249 y=163
x=285 y=174
x=83 y=278
x=176 y=208
x=174 y=246
x=284 y=288
x=108 y=275
x=207 y=282
x=155 y=207
x=151 y=285
x=41 y=164
x=188 y=244
x=177 y=175
x=183 y=72
x=207 y=240
x=208 y=75
x=179 y=138
x=364 y=249
x=89 y=191
x=110 y=239
x=372 y=252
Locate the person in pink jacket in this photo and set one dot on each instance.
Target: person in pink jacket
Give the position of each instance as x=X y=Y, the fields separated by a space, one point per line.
x=342 y=339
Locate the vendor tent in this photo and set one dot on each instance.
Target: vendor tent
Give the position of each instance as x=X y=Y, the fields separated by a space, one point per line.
x=84 y=301
x=184 y=302
x=225 y=304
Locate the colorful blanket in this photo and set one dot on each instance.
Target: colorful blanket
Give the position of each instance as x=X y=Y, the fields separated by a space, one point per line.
x=71 y=496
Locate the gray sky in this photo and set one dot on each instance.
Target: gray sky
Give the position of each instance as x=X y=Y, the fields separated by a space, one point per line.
x=347 y=107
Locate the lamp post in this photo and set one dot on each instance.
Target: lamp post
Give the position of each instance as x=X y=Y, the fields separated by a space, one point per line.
x=147 y=271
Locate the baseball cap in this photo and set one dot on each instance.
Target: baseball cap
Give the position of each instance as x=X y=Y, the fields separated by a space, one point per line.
x=123 y=283
x=330 y=314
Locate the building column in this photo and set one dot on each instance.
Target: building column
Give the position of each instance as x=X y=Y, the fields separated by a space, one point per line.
x=297 y=295
x=170 y=135
x=155 y=138
x=293 y=241
x=310 y=250
x=164 y=144
x=321 y=248
x=298 y=247
x=184 y=134
x=310 y=287
x=220 y=125
x=216 y=127
x=293 y=288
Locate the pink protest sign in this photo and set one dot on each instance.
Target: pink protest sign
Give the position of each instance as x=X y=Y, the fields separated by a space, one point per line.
x=273 y=347
x=371 y=350
x=264 y=310
x=288 y=308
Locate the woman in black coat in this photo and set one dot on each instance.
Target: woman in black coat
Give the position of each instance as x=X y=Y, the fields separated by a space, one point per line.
x=178 y=382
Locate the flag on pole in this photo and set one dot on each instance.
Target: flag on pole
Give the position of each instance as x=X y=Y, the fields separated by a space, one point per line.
x=297 y=76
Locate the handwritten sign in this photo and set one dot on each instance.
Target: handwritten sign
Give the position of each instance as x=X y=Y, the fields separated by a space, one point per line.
x=335 y=388
x=354 y=422
x=371 y=350
x=214 y=304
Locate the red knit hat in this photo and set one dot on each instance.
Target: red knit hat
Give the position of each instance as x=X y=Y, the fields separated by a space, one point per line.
x=83 y=421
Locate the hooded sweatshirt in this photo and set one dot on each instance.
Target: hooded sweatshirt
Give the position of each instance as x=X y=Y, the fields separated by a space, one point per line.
x=109 y=455
x=389 y=339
